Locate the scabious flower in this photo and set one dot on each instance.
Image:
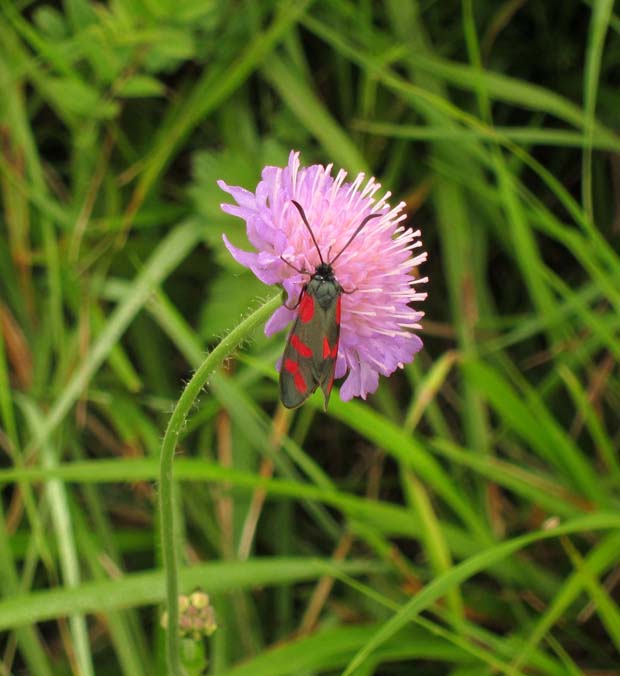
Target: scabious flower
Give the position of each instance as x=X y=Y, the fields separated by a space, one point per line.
x=377 y=267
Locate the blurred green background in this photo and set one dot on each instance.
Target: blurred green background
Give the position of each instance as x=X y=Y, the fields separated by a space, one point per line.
x=465 y=519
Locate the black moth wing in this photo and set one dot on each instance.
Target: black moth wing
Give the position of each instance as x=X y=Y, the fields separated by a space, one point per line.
x=309 y=359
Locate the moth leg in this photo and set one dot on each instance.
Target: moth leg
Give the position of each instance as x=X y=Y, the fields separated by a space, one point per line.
x=301 y=293
x=353 y=290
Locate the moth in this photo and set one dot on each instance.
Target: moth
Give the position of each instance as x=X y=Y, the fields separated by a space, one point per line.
x=309 y=358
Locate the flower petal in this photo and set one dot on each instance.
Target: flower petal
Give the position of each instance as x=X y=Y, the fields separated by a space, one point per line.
x=351 y=386
x=243 y=197
x=369 y=380
x=279 y=320
x=263 y=265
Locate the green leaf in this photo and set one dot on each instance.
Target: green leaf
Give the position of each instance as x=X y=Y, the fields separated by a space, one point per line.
x=442 y=584
x=140 y=86
x=140 y=589
x=74 y=96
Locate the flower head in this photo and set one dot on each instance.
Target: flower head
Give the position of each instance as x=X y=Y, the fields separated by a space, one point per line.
x=376 y=267
x=196 y=616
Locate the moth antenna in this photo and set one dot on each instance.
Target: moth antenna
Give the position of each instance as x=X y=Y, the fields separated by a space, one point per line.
x=302 y=213
x=354 y=235
x=301 y=272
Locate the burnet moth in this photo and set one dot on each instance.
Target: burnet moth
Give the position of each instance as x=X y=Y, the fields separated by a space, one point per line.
x=309 y=358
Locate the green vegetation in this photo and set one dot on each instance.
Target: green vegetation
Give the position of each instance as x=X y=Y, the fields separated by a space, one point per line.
x=463 y=521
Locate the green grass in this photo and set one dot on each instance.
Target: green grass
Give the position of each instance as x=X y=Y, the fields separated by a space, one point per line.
x=464 y=520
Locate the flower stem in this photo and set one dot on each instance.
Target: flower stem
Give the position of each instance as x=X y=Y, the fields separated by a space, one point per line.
x=169 y=543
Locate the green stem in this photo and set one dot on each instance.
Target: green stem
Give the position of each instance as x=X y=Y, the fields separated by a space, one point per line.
x=166 y=487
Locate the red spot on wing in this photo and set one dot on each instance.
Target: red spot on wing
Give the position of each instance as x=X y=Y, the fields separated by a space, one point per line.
x=326 y=348
x=306 y=308
x=298 y=379
x=328 y=351
x=338 y=309
x=330 y=385
x=300 y=383
x=300 y=346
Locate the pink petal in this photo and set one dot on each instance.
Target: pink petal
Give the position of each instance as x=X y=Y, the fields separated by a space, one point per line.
x=264 y=266
x=341 y=365
x=369 y=380
x=279 y=320
x=351 y=386
x=241 y=212
x=243 y=197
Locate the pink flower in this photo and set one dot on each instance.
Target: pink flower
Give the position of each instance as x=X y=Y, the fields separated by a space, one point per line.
x=377 y=321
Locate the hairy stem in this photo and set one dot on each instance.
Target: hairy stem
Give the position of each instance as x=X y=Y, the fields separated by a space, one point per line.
x=169 y=543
